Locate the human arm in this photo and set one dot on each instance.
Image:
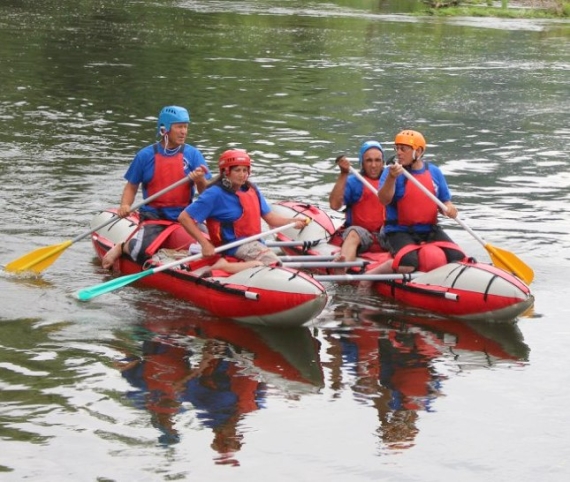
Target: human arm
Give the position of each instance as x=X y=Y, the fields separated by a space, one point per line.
x=127 y=199
x=198 y=176
x=193 y=230
x=139 y=173
x=196 y=167
x=442 y=192
x=275 y=220
x=388 y=183
x=451 y=210
x=336 y=196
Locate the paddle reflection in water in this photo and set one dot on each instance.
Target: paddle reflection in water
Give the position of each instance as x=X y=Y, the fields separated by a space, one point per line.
x=397 y=364
x=221 y=370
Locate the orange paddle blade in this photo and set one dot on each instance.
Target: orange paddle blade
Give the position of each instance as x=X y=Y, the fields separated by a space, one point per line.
x=510 y=262
x=39 y=259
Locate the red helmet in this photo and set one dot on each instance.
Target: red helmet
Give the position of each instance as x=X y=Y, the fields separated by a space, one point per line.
x=233 y=157
x=411 y=138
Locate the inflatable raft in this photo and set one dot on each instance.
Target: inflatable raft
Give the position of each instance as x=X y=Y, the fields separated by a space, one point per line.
x=466 y=290
x=270 y=296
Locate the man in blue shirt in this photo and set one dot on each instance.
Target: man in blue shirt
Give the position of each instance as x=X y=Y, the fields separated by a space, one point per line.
x=156 y=167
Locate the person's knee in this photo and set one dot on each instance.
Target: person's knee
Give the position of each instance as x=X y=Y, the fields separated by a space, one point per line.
x=410 y=260
x=353 y=236
x=453 y=255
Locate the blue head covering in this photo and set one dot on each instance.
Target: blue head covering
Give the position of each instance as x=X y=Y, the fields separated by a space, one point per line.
x=369 y=145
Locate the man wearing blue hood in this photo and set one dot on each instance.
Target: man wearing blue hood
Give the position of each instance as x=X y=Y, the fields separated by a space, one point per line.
x=364 y=215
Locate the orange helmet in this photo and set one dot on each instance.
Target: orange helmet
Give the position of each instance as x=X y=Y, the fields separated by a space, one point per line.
x=233 y=157
x=411 y=138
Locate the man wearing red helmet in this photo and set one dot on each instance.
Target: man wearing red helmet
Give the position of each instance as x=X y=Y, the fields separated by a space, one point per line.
x=156 y=167
x=232 y=208
x=411 y=221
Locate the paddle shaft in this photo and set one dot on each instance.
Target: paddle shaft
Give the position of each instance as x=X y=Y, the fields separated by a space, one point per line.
x=363 y=180
x=88 y=293
x=425 y=190
x=500 y=257
x=324 y=264
x=307 y=257
x=443 y=207
x=41 y=258
x=134 y=207
x=366 y=277
x=224 y=247
x=293 y=244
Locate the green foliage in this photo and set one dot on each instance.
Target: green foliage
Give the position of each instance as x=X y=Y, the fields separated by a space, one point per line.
x=476 y=8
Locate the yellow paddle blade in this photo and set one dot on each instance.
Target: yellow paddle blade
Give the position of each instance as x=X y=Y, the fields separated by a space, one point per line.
x=510 y=262
x=39 y=259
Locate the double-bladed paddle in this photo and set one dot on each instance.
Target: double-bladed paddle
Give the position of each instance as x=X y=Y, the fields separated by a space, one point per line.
x=88 y=293
x=42 y=258
x=500 y=257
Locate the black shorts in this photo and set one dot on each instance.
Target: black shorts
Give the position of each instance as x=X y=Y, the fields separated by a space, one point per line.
x=394 y=242
x=142 y=240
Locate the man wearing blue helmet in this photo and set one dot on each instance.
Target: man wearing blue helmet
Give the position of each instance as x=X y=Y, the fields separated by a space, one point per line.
x=156 y=167
x=364 y=214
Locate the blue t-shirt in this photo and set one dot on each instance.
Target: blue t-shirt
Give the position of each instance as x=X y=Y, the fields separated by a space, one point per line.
x=222 y=206
x=141 y=171
x=441 y=192
x=352 y=194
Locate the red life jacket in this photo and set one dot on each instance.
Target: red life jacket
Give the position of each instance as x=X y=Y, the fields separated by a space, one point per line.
x=368 y=212
x=162 y=368
x=167 y=171
x=248 y=224
x=411 y=377
x=413 y=207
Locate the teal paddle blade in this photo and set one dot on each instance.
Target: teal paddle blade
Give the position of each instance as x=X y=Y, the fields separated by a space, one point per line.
x=100 y=289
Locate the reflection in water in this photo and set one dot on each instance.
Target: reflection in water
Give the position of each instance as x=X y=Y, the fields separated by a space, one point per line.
x=78 y=94
x=221 y=371
x=397 y=364
x=218 y=369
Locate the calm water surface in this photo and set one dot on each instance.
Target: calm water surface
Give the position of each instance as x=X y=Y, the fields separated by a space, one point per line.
x=138 y=385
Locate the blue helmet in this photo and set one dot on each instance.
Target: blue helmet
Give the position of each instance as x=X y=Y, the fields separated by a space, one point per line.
x=169 y=115
x=369 y=145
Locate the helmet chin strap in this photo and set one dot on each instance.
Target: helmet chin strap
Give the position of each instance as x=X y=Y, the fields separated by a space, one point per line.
x=415 y=159
x=169 y=150
x=415 y=156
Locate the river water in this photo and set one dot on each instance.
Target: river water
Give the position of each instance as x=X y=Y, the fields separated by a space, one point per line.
x=139 y=385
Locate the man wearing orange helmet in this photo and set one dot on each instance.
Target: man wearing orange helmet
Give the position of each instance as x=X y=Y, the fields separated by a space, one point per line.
x=232 y=208
x=411 y=218
x=155 y=167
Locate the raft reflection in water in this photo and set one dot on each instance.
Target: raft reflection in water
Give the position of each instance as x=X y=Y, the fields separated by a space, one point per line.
x=221 y=371
x=397 y=364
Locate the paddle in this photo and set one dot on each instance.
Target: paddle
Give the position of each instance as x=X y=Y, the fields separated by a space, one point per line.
x=500 y=257
x=307 y=257
x=366 y=277
x=324 y=264
x=42 y=258
x=88 y=293
x=293 y=244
